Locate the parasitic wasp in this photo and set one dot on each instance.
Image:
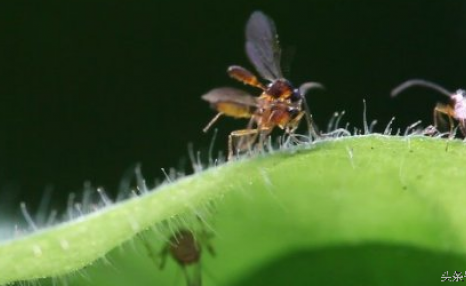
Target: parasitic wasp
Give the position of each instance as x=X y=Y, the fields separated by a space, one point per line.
x=454 y=109
x=279 y=105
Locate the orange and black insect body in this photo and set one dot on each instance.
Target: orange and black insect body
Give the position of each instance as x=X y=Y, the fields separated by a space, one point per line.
x=280 y=103
x=283 y=105
x=454 y=109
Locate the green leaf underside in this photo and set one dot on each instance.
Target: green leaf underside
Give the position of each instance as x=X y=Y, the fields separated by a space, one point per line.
x=366 y=210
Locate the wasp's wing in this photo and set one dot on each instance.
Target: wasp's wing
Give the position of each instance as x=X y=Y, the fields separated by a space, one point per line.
x=230 y=102
x=262 y=46
x=230 y=95
x=286 y=59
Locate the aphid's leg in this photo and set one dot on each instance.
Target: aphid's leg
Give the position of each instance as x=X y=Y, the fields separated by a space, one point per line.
x=243 y=75
x=163 y=255
x=204 y=236
x=204 y=239
x=210 y=248
x=211 y=122
x=151 y=253
x=447 y=110
x=192 y=274
x=238 y=133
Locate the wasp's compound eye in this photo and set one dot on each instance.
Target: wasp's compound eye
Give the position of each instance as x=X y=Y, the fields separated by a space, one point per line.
x=293 y=112
x=295 y=96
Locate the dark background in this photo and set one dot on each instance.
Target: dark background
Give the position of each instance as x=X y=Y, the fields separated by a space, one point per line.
x=89 y=88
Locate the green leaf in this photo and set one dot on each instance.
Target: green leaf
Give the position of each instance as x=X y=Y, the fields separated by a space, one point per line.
x=365 y=210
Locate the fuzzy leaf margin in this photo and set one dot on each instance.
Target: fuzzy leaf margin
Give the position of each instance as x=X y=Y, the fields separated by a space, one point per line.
x=387 y=202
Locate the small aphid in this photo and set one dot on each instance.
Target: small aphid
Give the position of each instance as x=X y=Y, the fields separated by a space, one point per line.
x=280 y=104
x=186 y=250
x=454 y=109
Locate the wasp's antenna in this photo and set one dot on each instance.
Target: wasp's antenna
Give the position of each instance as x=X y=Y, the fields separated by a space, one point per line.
x=419 y=82
x=303 y=89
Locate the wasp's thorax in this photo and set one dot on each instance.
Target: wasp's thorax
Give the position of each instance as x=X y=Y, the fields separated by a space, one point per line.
x=279 y=104
x=279 y=89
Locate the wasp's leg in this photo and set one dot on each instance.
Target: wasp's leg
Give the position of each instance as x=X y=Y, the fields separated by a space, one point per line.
x=243 y=75
x=264 y=132
x=293 y=124
x=311 y=126
x=240 y=134
x=447 y=110
x=291 y=127
x=462 y=124
x=211 y=122
x=241 y=142
x=313 y=130
x=205 y=238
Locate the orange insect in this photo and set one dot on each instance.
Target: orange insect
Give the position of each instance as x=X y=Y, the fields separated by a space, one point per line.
x=280 y=104
x=454 y=109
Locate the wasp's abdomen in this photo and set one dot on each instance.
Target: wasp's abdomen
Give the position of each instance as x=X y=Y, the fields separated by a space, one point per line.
x=233 y=109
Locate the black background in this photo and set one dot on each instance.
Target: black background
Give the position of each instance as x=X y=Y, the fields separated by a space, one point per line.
x=89 y=88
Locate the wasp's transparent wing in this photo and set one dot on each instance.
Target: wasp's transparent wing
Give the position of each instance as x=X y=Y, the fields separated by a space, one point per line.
x=230 y=95
x=287 y=56
x=230 y=102
x=262 y=46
